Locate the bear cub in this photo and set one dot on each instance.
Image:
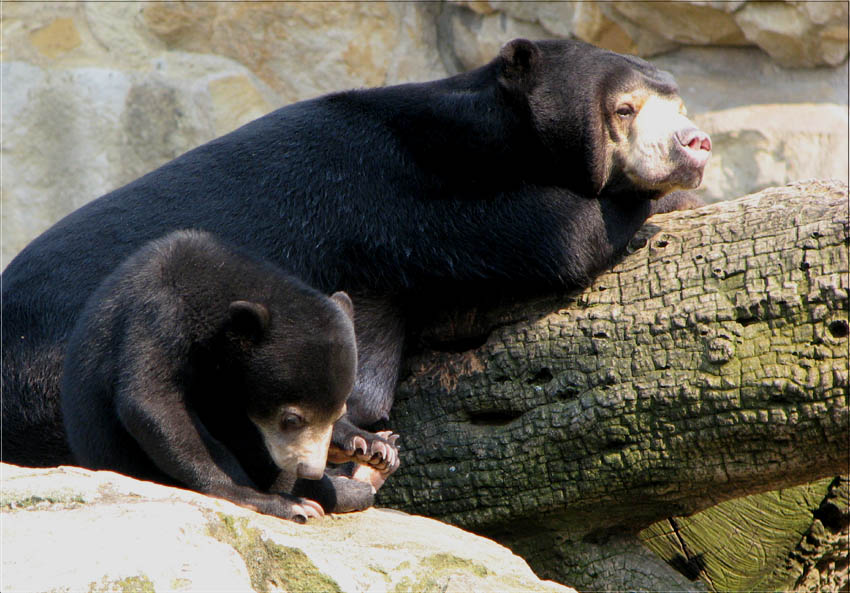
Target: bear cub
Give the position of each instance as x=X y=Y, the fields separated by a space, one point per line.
x=197 y=365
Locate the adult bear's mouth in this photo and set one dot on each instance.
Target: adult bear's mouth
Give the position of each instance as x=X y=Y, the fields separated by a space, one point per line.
x=693 y=149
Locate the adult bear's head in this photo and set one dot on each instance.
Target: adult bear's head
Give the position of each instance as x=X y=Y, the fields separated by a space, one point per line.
x=610 y=124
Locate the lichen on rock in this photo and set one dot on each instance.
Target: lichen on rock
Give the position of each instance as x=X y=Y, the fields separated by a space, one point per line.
x=272 y=567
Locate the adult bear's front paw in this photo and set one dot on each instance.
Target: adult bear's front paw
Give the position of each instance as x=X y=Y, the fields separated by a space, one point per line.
x=372 y=475
x=383 y=452
x=377 y=450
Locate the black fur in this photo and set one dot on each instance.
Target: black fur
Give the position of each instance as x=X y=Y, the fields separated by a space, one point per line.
x=174 y=351
x=489 y=178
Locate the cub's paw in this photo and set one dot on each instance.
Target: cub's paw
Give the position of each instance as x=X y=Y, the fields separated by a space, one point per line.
x=280 y=504
x=301 y=509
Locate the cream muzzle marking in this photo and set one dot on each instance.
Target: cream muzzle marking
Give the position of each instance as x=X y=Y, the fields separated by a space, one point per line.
x=659 y=146
x=297 y=443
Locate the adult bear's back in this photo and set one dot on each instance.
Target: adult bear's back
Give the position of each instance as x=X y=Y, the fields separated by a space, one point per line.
x=302 y=187
x=225 y=187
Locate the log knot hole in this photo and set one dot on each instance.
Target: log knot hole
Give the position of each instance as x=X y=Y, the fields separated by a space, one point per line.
x=839 y=328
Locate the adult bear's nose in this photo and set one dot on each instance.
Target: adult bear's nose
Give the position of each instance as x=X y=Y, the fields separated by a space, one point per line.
x=694 y=139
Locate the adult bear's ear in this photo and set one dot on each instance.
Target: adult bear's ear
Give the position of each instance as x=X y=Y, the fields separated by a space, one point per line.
x=519 y=59
x=344 y=301
x=248 y=319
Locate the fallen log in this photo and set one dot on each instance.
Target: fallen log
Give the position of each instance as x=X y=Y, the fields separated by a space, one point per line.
x=711 y=362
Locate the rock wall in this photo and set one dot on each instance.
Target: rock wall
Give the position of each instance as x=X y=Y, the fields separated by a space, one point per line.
x=96 y=94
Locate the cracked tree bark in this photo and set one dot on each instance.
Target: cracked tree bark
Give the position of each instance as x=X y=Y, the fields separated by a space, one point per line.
x=710 y=363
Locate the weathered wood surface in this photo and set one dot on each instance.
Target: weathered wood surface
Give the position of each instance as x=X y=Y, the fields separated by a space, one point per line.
x=711 y=362
x=786 y=540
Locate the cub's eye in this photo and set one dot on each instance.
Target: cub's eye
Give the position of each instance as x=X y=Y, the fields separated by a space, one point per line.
x=625 y=110
x=291 y=421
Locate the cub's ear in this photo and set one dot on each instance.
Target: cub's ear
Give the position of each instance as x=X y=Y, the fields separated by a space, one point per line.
x=519 y=59
x=247 y=319
x=344 y=301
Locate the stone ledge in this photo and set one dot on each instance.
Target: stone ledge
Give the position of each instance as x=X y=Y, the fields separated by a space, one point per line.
x=70 y=529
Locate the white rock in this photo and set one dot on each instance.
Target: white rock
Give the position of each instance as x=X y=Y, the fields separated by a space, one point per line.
x=69 y=529
x=475 y=39
x=80 y=132
x=721 y=78
x=760 y=146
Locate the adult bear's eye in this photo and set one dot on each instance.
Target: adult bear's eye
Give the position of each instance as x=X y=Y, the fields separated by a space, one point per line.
x=625 y=110
x=291 y=421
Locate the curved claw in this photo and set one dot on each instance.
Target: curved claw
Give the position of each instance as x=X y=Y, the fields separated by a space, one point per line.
x=385 y=455
x=381 y=453
x=306 y=509
x=375 y=474
x=360 y=445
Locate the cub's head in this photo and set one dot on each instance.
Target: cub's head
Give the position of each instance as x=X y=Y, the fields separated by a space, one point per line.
x=298 y=365
x=609 y=124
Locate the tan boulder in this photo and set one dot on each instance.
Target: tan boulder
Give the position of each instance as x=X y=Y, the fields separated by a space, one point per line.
x=798 y=33
x=795 y=33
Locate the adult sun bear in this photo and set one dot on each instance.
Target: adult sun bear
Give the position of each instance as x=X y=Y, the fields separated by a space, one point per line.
x=533 y=170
